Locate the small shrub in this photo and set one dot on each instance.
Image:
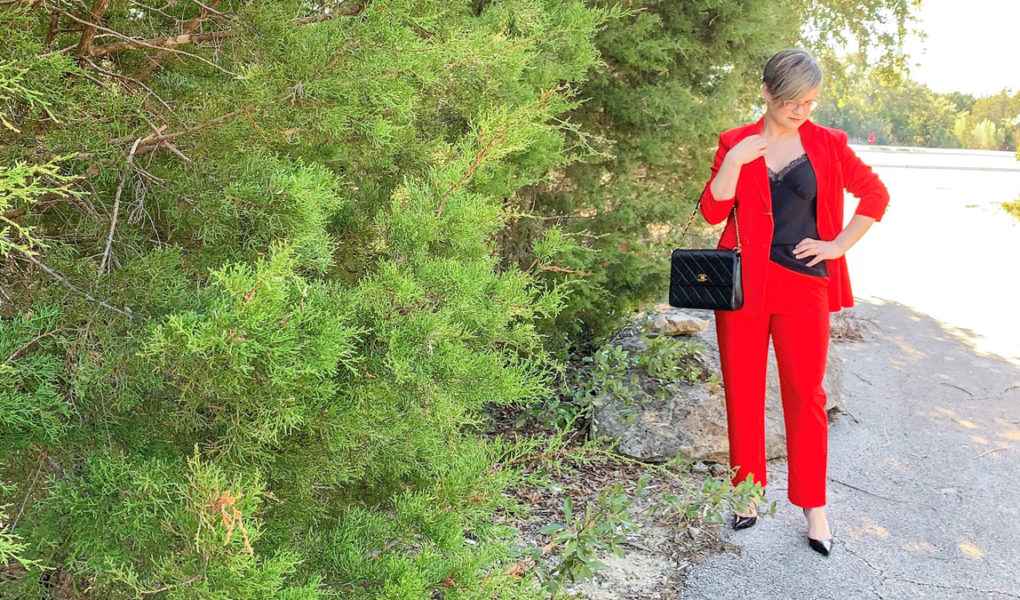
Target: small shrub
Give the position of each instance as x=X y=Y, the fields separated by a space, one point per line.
x=613 y=374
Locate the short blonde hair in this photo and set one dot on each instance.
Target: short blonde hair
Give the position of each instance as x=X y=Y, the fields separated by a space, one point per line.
x=791 y=73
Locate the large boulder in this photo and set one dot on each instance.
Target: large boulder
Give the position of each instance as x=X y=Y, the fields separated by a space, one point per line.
x=692 y=418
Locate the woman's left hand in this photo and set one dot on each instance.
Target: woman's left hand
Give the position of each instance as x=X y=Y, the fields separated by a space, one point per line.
x=817 y=248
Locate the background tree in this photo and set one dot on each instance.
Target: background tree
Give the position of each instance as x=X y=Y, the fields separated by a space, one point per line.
x=673 y=76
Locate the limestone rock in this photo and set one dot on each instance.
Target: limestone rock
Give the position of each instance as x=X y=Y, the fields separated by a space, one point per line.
x=693 y=418
x=668 y=320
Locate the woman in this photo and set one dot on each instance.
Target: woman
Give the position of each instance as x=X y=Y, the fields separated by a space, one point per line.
x=786 y=177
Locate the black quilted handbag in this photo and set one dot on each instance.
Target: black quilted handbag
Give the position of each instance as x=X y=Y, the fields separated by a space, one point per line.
x=706 y=278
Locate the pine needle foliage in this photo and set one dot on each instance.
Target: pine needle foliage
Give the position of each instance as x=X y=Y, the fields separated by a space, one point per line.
x=266 y=262
x=253 y=306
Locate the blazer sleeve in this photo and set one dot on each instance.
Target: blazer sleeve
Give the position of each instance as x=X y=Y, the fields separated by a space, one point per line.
x=860 y=180
x=713 y=209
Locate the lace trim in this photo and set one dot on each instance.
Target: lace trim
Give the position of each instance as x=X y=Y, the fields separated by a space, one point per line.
x=774 y=176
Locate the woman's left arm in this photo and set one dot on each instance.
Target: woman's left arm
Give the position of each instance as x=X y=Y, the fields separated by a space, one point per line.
x=861 y=181
x=822 y=250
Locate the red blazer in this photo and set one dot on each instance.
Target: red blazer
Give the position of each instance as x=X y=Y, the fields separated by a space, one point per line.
x=836 y=168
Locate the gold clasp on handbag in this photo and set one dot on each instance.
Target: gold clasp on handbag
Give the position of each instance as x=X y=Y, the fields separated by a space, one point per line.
x=702 y=277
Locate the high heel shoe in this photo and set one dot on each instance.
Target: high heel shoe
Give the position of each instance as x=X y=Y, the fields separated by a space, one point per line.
x=743 y=522
x=740 y=522
x=823 y=546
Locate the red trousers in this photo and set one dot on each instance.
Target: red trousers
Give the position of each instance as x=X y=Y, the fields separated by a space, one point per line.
x=796 y=314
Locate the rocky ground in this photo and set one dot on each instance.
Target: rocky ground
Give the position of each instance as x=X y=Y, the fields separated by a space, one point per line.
x=664 y=548
x=922 y=464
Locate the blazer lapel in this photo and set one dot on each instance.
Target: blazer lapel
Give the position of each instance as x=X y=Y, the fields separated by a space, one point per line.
x=759 y=173
x=815 y=150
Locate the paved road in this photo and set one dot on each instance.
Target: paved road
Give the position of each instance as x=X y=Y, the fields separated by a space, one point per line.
x=924 y=489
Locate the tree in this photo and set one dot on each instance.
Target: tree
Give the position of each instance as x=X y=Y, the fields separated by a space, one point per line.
x=1003 y=111
x=251 y=308
x=672 y=77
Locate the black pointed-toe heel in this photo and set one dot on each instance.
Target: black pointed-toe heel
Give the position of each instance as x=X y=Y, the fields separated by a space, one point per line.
x=822 y=547
x=743 y=522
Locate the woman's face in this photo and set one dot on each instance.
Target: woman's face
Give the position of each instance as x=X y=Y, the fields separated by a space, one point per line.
x=792 y=113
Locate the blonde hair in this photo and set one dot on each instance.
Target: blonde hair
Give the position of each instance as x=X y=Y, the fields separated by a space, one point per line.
x=791 y=73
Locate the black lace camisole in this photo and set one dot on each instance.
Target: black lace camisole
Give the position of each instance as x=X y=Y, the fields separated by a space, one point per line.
x=794 y=212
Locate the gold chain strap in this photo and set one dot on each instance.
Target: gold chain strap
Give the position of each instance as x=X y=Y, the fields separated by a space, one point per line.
x=736 y=223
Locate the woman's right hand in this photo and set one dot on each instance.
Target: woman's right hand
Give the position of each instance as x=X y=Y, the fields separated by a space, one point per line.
x=747 y=149
x=723 y=185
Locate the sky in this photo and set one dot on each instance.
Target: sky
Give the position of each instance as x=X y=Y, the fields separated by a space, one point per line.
x=973 y=46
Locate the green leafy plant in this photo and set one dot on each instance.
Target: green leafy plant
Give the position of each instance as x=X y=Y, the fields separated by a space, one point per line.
x=613 y=374
x=575 y=544
x=711 y=501
x=571 y=554
x=670 y=360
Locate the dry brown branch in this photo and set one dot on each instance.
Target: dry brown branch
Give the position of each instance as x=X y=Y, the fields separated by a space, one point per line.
x=160 y=43
x=142 y=43
x=227 y=500
x=85 y=43
x=478 y=161
x=152 y=143
x=91 y=78
x=151 y=138
x=157 y=62
x=51 y=31
x=559 y=269
x=116 y=204
x=209 y=8
x=61 y=51
x=179 y=154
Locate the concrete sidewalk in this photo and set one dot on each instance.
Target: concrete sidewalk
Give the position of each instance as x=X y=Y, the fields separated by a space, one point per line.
x=924 y=480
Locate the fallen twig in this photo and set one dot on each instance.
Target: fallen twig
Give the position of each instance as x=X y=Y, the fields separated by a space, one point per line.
x=958 y=387
x=865 y=491
x=993 y=450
